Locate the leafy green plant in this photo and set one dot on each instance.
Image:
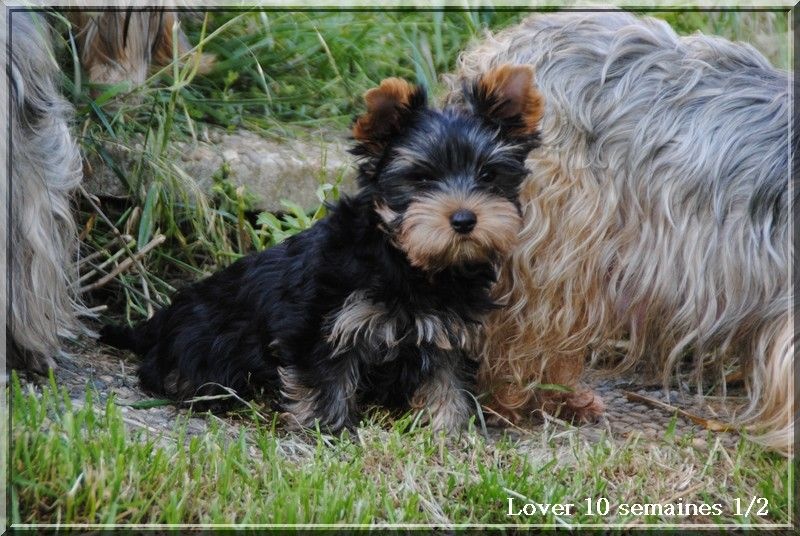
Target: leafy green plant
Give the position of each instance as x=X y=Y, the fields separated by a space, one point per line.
x=276 y=228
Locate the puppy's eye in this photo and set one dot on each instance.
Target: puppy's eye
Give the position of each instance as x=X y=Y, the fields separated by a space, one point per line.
x=486 y=176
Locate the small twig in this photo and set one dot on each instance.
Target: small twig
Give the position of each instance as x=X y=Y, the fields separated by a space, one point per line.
x=231 y=394
x=146 y=291
x=87 y=228
x=104 y=250
x=708 y=424
x=487 y=409
x=96 y=207
x=96 y=309
x=133 y=289
x=124 y=265
x=103 y=265
x=130 y=243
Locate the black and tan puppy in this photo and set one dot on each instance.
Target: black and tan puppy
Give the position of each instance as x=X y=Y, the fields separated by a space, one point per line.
x=381 y=301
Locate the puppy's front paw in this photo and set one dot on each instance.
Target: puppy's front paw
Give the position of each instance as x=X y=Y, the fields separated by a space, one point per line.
x=446 y=405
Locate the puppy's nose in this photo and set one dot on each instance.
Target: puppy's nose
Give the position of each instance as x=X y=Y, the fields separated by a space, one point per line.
x=463 y=221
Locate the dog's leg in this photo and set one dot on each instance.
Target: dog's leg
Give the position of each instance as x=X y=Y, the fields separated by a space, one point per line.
x=771 y=414
x=514 y=400
x=555 y=304
x=580 y=403
x=444 y=397
x=44 y=305
x=329 y=400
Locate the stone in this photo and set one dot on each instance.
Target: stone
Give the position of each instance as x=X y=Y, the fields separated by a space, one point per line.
x=270 y=170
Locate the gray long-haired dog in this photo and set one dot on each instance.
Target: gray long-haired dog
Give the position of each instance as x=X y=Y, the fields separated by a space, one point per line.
x=114 y=46
x=46 y=168
x=657 y=214
x=117 y=46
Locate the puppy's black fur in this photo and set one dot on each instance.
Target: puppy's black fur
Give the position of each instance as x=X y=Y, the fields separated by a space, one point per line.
x=381 y=301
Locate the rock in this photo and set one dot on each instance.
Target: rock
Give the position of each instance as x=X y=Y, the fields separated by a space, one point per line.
x=270 y=170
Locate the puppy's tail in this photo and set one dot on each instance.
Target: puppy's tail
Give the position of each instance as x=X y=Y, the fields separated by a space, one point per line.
x=138 y=339
x=122 y=337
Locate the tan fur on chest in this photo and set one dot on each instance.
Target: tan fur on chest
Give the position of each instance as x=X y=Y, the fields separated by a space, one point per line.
x=365 y=323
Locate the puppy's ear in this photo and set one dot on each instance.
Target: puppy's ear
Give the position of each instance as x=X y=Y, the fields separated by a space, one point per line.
x=390 y=109
x=507 y=97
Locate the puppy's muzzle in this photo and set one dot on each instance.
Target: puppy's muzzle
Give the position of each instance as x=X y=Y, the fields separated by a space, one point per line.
x=446 y=229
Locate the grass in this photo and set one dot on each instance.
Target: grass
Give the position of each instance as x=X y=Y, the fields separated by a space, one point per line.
x=284 y=74
x=311 y=68
x=79 y=462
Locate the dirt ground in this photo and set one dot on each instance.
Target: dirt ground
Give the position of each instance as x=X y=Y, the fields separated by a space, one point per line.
x=633 y=406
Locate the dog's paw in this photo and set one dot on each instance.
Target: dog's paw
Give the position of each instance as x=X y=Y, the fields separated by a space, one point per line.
x=582 y=406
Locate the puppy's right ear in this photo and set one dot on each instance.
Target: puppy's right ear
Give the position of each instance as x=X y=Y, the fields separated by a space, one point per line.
x=506 y=97
x=390 y=109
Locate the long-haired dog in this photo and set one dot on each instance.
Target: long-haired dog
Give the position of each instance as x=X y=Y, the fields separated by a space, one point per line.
x=123 y=46
x=382 y=300
x=45 y=168
x=46 y=165
x=656 y=214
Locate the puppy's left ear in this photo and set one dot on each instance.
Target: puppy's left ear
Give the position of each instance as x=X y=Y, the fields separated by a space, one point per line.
x=507 y=98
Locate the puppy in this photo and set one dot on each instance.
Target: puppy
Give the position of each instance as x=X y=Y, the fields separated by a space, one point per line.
x=381 y=301
x=657 y=214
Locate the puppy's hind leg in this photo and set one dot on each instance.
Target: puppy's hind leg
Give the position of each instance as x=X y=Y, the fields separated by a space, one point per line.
x=143 y=340
x=156 y=373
